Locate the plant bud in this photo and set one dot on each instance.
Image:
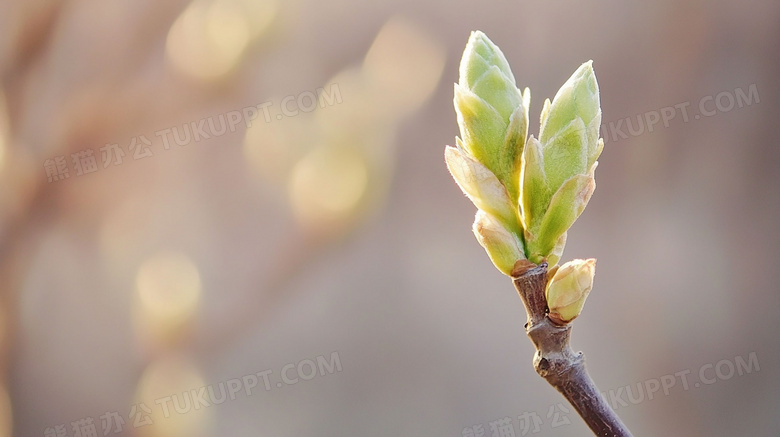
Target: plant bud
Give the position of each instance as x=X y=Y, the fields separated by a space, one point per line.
x=555 y=255
x=565 y=207
x=502 y=246
x=492 y=112
x=557 y=171
x=532 y=189
x=568 y=288
x=577 y=98
x=480 y=185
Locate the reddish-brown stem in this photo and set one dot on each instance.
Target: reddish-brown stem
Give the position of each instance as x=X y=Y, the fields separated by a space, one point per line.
x=554 y=359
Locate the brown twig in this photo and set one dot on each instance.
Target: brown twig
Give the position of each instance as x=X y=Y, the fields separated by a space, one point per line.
x=554 y=359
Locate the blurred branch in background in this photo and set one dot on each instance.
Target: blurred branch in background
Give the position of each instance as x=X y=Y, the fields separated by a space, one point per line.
x=22 y=199
x=57 y=85
x=210 y=38
x=334 y=166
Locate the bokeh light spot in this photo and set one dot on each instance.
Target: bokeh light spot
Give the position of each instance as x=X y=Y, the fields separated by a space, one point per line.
x=209 y=38
x=405 y=65
x=163 y=379
x=169 y=288
x=326 y=186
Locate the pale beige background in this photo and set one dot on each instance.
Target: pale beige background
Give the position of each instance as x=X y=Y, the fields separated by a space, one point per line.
x=429 y=334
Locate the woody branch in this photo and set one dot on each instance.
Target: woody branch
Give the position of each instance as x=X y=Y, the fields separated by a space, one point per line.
x=554 y=359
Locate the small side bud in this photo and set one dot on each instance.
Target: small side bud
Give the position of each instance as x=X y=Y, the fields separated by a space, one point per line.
x=503 y=247
x=568 y=288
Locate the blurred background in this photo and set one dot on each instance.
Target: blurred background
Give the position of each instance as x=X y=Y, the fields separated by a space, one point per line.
x=233 y=217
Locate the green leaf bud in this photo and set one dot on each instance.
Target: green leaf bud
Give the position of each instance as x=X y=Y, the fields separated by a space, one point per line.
x=502 y=246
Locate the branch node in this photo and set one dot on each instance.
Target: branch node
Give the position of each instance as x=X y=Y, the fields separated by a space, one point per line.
x=554 y=359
